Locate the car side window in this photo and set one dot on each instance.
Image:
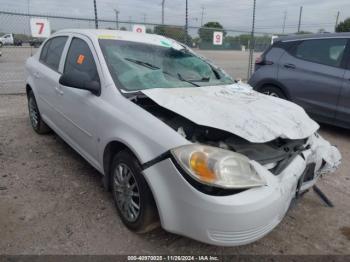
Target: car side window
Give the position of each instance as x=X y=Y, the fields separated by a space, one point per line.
x=52 y=51
x=323 y=51
x=44 y=50
x=80 y=60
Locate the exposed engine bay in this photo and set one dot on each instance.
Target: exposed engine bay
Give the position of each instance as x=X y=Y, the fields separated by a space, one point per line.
x=274 y=155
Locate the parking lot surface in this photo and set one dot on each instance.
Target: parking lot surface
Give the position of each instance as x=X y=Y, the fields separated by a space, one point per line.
x=12 y=73
x=52 y=202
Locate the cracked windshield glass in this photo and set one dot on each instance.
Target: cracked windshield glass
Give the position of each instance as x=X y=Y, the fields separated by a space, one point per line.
x=138 y=66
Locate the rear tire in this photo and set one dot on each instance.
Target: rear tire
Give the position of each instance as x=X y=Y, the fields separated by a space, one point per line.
x=273 y=91
x=133 y=198
x=36 y=121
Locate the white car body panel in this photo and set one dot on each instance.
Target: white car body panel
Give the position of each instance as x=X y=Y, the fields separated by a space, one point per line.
x=253 y=116
x=100 y=120
x=79 y=125
x=236 y=219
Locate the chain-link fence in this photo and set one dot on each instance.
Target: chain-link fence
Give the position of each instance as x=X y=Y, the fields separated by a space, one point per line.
x=232 y=55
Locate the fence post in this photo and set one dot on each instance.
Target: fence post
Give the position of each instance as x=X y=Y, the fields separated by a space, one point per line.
x=96 y=20
x=252 y=45
x=186 y=25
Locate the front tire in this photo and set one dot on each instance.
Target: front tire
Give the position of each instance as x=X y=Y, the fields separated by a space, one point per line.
x=36 y=121
x=133 y=198
x=273 y=91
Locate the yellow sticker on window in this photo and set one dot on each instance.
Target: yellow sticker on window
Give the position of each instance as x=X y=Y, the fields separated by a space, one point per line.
x=80 y=59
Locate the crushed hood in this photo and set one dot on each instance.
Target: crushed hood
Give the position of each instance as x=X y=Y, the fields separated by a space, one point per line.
x=237 y=109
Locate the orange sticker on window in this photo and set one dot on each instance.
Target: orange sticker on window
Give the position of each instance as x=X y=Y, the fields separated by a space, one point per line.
x=80 y=59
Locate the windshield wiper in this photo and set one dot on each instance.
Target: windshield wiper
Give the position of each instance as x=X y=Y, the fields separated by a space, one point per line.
x=204 y=79
x=153 y=67
x=187 y=81
x=142 y=63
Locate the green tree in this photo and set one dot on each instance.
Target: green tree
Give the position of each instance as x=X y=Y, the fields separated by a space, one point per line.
x=174 y=32
x=206 y=31
x=23 y=37
x=343 y=26
x=243 y=39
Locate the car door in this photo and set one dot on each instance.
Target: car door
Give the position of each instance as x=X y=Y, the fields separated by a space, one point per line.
x=46 y=75
x=313 y=71
x=343 y=109
x=80 y=107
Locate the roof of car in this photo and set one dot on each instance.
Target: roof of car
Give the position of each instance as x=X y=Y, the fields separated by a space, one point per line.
x=124 y=35
x=313 y=36
x=98 y=32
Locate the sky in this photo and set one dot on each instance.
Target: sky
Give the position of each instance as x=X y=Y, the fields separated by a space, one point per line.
x=232 y=14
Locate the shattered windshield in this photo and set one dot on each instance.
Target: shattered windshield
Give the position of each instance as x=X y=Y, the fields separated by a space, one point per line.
x=138 y=66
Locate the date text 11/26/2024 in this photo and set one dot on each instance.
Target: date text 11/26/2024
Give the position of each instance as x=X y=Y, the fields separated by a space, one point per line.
x=173 y=258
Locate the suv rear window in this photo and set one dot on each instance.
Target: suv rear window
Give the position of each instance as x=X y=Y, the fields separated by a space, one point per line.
x=52 y=52
x=323 y=51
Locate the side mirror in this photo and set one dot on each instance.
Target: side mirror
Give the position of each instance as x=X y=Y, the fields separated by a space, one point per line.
x=80 y=80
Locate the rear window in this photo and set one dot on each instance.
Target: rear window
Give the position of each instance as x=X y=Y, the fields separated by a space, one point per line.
x=52 y=52
x=284 y=45
x=323 y=51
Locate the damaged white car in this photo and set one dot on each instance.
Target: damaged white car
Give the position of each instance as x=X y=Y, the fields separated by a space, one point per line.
x=176 y=139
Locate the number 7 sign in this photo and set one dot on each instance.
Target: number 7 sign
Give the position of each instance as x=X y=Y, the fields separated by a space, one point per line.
x=40 y=27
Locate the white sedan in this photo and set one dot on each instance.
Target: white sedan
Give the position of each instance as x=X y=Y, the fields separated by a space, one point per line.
x=175 y=138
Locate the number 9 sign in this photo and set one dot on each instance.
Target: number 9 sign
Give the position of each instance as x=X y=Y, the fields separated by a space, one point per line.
x=40 y=27
x=217 y=38
x=139 y=29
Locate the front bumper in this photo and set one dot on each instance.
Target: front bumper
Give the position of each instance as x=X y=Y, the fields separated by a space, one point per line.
x=235 y=219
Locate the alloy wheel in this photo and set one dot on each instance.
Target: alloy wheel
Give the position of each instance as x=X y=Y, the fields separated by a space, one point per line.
x=33 y=112
x=127 y=192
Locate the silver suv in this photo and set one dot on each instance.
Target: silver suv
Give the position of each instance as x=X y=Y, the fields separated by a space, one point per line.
x=310 y=70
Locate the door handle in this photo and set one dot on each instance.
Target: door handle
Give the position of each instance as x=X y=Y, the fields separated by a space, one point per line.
x=58 y=90
x=290 y=66
x=36 y=74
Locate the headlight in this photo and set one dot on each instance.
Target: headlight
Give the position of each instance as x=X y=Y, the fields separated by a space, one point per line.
x=217 y=167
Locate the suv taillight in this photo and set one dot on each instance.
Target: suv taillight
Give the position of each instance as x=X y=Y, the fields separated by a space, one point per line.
x=262 y=61
x=259 y=60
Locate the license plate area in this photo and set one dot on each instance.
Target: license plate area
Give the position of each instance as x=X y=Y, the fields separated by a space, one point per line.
x=309 y=172
x=308 y=175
